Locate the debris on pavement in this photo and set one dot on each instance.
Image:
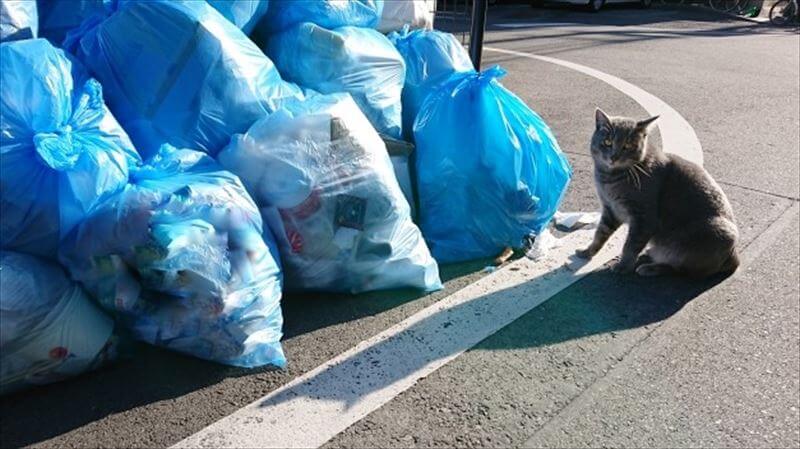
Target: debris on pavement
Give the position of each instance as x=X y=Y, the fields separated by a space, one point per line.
x=571 y=221
x=504 y=256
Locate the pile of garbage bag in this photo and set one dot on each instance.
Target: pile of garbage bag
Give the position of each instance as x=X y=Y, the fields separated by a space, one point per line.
x=179 y=73
x=180 y=257
x=18 y=20
x=490 y=172
x=163 y=179
x=324 y=181
x=62 y=151
x=360 y=61
x=49 y=328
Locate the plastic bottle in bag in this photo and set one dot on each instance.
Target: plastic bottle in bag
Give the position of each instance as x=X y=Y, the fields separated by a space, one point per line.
x=180 y=257
x=326 y=187
x=489 y=169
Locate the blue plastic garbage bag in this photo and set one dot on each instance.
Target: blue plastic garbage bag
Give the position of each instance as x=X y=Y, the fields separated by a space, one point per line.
x=431 y=58
x=61 y=150
x=179 y=73
x=58 y=17
x=284 y=14
x=50 y=329
x=489 y=170
x=180 y=259
x=359 y=61
x=245 y=14
x=326 y=187
x=18 y=20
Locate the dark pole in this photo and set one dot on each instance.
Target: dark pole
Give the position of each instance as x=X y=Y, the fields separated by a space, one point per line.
x=476 y=33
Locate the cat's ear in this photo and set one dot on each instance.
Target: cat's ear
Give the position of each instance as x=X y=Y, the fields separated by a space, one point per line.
x=644 y=125
x=601 y=119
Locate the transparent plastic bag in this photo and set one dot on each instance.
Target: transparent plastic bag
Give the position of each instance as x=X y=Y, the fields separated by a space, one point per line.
x=245 y=14
x=283 y=14
x=416 y=14
x=323 y=179
x=50 y=329
x=18 y=20
x=179 y=73
x=61 y=150
x=431 y=58
x=180 y=258
x=359 y=61
x=489 y=170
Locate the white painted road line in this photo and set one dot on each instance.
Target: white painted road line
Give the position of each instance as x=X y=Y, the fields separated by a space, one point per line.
x=677 y=134
x=317 y=406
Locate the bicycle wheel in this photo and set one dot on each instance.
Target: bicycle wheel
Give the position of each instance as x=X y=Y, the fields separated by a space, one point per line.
x=782 y=12
x=725 y=5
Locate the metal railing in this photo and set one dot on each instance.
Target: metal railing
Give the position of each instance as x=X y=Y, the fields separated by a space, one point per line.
x=465 y=19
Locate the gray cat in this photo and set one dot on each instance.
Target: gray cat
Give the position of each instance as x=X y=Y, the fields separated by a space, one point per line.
x=672 y=206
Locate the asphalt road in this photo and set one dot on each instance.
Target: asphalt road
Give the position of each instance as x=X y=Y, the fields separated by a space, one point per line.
x=611 y=361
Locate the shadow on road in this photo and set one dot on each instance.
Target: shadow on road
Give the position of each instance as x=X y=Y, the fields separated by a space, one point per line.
x=148 y=374
x=603 y=303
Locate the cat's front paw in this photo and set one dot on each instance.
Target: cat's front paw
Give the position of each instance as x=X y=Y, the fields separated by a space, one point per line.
x=622 y=267
x=586 y=253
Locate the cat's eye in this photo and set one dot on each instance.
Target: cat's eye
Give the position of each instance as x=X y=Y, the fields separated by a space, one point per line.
x=607 y=143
